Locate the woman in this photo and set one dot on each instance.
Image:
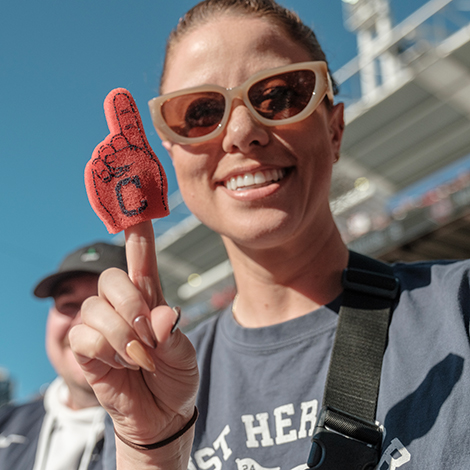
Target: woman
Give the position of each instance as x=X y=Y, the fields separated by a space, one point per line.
x=258 y=172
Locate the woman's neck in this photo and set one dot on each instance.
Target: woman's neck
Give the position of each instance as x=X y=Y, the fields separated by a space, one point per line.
x=277 y=285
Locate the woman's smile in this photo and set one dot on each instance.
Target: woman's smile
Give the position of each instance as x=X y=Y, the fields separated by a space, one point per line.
x=255 y=180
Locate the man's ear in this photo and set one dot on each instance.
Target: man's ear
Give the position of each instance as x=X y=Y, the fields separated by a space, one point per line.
x=336 y=123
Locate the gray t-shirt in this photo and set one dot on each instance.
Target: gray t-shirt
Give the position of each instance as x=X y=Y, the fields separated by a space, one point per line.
x=261 y=388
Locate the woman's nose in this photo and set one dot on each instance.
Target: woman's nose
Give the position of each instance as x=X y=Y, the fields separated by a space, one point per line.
x=243 y=131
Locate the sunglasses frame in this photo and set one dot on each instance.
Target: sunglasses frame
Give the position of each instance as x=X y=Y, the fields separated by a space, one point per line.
x=323 y=87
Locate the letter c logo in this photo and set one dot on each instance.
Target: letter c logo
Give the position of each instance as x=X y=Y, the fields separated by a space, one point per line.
x=136 y=182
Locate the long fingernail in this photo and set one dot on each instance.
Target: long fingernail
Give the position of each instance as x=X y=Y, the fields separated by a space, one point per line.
x=121 y=361
x=138 y=354
x=143 y=328
x=177 y=310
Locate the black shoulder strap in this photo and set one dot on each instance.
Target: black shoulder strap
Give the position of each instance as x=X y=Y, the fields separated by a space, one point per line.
x=346 y=435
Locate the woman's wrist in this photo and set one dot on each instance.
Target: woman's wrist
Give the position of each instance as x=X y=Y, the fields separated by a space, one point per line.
x=164 y=442
x=173 y=456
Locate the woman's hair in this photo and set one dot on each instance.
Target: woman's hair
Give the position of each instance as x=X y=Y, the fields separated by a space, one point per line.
x=269 y=10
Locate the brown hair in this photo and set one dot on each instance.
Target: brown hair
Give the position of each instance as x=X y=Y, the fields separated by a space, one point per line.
x=289 y=21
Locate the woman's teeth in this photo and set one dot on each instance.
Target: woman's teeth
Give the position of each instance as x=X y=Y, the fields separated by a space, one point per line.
x=254 y=179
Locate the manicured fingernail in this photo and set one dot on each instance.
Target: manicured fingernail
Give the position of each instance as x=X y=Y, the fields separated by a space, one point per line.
x=143 y=328
x=121 y=361
x=138 y=354
x=177 y=310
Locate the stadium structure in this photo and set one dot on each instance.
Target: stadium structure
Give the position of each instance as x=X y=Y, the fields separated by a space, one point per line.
x=6 y=387
x=401 y=190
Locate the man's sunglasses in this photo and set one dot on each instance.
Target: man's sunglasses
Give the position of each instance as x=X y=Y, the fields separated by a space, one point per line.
x=275 y=97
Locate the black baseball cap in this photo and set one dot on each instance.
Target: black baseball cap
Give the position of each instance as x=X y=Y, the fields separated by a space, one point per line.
x=94 y=259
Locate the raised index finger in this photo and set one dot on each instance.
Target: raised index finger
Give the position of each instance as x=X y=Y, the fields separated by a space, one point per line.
x=142 y=262
x=123 y=117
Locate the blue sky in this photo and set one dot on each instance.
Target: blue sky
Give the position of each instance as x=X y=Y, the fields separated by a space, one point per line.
x=58 y=61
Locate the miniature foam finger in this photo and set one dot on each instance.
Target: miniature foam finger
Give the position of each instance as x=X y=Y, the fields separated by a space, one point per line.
x=125 y=182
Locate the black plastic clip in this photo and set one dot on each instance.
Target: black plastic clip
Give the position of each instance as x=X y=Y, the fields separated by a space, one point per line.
x=342 y=441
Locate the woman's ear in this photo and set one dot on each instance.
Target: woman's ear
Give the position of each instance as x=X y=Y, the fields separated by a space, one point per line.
x=336 y=123
x=167 y=145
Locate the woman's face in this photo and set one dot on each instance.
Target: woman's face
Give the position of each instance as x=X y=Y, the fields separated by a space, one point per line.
x=295 y=159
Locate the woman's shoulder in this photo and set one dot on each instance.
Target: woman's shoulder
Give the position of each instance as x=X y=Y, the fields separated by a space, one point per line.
x=434 y=287
x=431 y=273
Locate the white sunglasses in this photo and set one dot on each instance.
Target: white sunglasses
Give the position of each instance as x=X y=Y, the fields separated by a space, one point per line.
x=278 y=96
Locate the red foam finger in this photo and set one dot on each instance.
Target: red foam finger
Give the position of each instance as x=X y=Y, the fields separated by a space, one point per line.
x=123 y=118
x=124 y=180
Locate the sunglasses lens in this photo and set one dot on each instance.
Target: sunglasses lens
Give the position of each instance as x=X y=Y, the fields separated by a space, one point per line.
x=194 y=114
x=283 y=96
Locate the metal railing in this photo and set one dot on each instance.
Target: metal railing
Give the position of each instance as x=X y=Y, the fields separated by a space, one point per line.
x=421 y=32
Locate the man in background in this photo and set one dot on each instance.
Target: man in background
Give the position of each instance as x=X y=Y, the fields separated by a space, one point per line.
x=64 y=428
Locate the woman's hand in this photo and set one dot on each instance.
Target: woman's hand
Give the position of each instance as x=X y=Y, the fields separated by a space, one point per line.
x=148 y=391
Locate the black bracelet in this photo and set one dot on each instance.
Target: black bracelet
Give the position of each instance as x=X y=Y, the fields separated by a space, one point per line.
x=157 y=445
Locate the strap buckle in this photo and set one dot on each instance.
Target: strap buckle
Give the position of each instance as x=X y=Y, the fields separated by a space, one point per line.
x=342 y=441
x=380 y=285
